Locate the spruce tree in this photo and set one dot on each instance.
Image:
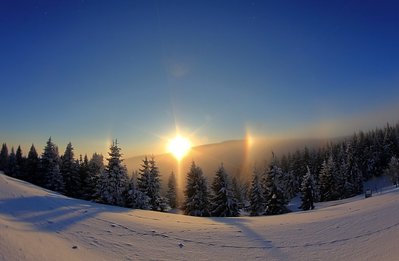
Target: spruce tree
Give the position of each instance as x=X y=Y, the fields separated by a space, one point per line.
x=393 y=171
x=20 y=171
x=237 y=191
x=144 y=177
x=196 y=193
x=223 y=202
x=149 y=183
x=70 y=172
x=327 y=180
x=157 y=202
x=50 y=167
x=54 y=179
x=341 y=176
x=273 y=193
x=12 y=164
x=290 y=185
x=357 y=179
x=307 y=191
x=172 y=191
x=113 y=181
x=83 y=170
x=33 y=167
x=4 y=158
x=135 y=198
x=95 y=169
x=257 y=206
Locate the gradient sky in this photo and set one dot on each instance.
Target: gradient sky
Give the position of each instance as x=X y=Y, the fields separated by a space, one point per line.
x=89 y=71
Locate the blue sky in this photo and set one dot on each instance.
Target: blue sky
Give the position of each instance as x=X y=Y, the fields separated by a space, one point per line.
x=90 y=71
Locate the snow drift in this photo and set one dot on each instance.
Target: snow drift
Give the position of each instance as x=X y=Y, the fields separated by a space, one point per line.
x=36 y=224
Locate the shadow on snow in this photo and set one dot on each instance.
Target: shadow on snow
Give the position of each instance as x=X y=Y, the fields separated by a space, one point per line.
x=257 y=239
x=53 y=212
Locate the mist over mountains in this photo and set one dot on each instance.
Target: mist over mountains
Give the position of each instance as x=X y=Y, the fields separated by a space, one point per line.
x=239 y=157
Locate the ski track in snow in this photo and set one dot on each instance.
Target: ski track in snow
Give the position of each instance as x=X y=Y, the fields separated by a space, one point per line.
x=179 y=239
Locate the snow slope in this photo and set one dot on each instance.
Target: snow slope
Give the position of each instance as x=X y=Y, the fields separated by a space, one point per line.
x=36 y=224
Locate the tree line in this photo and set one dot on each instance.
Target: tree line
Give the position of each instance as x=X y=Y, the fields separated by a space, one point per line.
x=335 y=171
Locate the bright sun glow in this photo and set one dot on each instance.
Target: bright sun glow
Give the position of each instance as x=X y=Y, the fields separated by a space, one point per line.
x=179 y=147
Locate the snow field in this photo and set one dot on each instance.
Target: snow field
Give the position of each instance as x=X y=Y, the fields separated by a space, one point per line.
x=37 y=224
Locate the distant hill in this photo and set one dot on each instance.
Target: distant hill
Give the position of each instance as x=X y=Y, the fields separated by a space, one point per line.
x=238 y=156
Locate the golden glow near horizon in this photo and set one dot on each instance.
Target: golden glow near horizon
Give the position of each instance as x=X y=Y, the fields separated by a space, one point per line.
x=179 y=147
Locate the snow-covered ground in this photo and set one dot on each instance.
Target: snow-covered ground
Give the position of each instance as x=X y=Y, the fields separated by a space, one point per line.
x=36 y=224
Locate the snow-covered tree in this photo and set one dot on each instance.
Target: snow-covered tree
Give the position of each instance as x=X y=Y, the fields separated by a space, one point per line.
x=196 y=193
x=237 y=191
x=341 y=174
x=256 y=199
x=54 y=179
x=4 y=158
x=393 y=171
x=327 y=184
x=149 y=183
x=171 y=194
x=135 y=198
x=114 y=179
x=50 y=166
x=144 y=176
x=289 y=184
x=223 y=202
x=273 y=193
x=156 y=200
x=95 y=170
x=350 y=172
x=307 y=191
x=357 y=178
x=84 y=172
x=70 y=172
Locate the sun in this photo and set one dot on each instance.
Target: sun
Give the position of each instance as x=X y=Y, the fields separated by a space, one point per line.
x=179 y=147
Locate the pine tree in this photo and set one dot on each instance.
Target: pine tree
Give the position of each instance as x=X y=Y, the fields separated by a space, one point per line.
x=33 y=167
x=256 y=199
x=95 y=169
x=4 y=158
x=70 y=172
x=54 y=179
x=84 y=172
x=327 y=184
x=353 y=178
x=296 y=168
x=135 y=198
x=273 y=193
x=341 y=176
x=113 y=181
x=196 y=193
x=393 y=171
x=12 y=164
x=149 y=183
x=157 y=202
x=223 y=202
x=357 y=179
x=237 y=192
x=172 y=191
x=290 y=185
x=50 y=167
x=307 y=191
x=20 y=165
x=144 y=177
